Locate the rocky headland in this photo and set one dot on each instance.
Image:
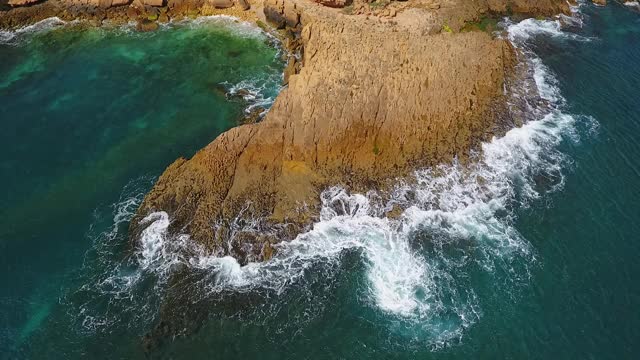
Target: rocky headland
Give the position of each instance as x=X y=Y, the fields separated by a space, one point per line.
x=371 y=97
x=374 y=91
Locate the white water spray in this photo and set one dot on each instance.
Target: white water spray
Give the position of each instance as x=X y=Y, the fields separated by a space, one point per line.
x=466 y=208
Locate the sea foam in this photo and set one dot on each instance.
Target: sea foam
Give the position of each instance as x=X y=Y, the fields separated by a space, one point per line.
x=455 y=218
x=14 y=37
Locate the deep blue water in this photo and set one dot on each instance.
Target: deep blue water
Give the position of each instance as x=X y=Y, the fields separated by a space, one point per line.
x=530 y=254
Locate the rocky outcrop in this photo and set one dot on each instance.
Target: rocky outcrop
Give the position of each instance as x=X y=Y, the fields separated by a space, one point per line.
x=373 y=92
x=373 y=100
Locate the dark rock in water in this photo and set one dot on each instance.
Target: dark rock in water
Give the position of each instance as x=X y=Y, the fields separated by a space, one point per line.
x=395 y=212
x=146 y=25
x=234 y=53
x=241 y=93
x=253 y=116
x=220 y=90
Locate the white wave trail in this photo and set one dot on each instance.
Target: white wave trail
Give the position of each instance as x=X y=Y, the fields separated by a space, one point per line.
x=13 y=37
x=470 y=208
x=462 y=204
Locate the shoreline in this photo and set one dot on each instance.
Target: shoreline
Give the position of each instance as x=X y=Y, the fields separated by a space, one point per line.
x=273 y=172
x=441 y=88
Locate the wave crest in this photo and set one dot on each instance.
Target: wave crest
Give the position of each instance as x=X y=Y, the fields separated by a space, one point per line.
x=455 y=221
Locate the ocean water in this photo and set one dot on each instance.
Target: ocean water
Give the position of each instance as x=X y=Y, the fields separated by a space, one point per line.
x=90 y=116
x=528 y=252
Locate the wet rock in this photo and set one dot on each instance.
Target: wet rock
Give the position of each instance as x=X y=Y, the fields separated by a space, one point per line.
x=220 y=90
x=253 y=116
x=146 y=25
x=241 y=93
x=370 y=104
x=394 y=213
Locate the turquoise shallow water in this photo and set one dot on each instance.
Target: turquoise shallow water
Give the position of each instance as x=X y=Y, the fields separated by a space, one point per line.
x=531 y=252
x=88 y=112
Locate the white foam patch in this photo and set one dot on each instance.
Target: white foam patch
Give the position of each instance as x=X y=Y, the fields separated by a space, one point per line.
x=411 y=274
x=239 y=27
x=529 y=28
x=634 y=4
x=14 y=37
x=465 y=204
x=256 y=91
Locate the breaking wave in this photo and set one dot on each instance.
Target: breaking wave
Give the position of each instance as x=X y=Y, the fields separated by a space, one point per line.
x=14 y=37
x=255 y=92
x=418 y=245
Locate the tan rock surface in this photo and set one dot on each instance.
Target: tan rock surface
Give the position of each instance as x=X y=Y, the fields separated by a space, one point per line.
x=373 y=101
x=374 y=95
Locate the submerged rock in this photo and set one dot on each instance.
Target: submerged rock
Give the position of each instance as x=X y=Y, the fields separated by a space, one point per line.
x=253 y=116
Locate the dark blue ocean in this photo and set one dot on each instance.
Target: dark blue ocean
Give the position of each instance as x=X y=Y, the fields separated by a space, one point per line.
x=529 y=251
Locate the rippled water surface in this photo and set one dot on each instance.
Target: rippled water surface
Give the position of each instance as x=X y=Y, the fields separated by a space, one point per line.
x=90 y=116
x=530 y=251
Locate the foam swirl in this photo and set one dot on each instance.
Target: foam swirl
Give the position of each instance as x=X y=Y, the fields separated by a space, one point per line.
x=455 y=219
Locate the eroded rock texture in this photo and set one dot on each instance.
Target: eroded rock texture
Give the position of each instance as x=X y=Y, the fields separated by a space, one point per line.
x=372 y=101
